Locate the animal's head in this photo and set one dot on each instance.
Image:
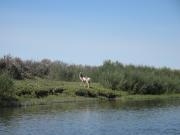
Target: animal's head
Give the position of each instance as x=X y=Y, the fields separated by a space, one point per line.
x=80 y=74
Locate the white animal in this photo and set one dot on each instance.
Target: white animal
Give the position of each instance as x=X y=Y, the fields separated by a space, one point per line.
x=85 y=80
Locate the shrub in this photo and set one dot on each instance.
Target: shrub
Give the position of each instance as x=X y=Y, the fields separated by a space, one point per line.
x=93 y=93
x=41 y=93
x=109 y=95
x=86 y=93
x=6 y=86
x=24 y=92
x=139 y=79
x=15 y=72
x=153 y=88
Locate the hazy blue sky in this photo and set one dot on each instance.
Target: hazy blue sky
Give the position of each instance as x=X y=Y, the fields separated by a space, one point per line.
x=140 y=32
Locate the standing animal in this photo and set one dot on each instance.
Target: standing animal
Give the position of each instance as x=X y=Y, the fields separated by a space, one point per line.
x=85 y=80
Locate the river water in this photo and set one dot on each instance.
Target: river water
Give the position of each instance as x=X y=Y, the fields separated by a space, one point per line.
x=152 y=117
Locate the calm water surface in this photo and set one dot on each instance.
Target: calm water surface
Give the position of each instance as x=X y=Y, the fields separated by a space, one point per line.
x=156 y=117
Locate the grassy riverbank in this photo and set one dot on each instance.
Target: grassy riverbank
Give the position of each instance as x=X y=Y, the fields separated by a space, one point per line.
x=42 y=91
x=33 y=82
x=52 y=99
x=40 y=88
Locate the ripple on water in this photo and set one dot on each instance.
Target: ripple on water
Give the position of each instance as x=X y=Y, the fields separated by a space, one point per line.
x=93 y=118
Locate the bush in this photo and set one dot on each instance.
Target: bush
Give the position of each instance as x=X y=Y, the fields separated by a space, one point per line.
x=110 y=95
x=6 y=86
x=15 y=72
x=93 y=93
x=139 y=79
x=153 y=88
x=86 y=93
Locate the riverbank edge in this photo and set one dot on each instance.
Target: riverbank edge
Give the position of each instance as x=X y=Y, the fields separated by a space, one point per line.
x=64 y=99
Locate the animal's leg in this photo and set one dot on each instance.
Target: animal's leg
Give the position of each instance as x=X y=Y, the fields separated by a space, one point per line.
x=84 y=85
x=87 y=84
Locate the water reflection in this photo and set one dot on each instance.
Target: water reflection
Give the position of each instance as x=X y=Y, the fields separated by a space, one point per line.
x=94 y=117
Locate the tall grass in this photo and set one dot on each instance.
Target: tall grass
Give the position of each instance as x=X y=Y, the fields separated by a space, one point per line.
x=139 y=79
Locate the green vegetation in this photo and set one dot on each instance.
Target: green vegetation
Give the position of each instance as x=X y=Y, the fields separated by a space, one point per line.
x=140 y=79
x=38 y=88
x=7 y=92
x=55 y=80
x=6 y=86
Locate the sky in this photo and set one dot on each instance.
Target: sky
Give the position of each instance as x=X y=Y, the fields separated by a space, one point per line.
x=139 y=32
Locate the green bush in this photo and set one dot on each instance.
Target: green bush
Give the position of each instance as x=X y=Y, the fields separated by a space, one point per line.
x=139 y=79
x=16 y=72
x=86 y=93
x=93 y=93
x=110 y=95
x=6 y=86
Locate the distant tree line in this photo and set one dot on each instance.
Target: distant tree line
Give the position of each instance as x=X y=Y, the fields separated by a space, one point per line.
x=113 y=75
x=139 y=79
x=55 y=70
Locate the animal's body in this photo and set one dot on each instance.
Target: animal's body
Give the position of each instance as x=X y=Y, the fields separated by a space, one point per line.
x=85 y=80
